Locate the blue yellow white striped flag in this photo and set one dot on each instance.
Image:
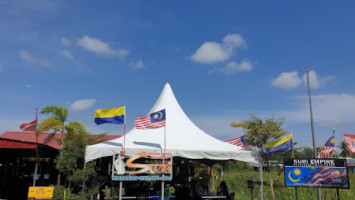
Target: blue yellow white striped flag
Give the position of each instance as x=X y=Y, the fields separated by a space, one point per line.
x=111 y=115
x=281 y=145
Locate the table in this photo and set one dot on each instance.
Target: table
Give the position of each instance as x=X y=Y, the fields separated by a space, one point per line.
x=214 y=197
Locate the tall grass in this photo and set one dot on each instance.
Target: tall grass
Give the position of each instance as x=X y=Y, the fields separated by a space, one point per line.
x=237 y=182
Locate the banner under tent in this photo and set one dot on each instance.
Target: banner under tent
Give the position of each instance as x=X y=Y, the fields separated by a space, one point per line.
x=183 y=138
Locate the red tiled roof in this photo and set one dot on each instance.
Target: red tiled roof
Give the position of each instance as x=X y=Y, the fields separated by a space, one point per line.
x=29 y=137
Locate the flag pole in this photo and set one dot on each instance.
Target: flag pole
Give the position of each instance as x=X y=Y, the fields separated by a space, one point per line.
x=124 y=149
x=261 y=175
x=296 y=192
x=312 y=127
x=124 y=132
x=334 y=141
x=36 y=166
x=162 y=182
x=165 y=136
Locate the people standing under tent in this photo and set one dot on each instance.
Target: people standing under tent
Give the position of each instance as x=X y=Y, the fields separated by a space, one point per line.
x=199 y=190
x=184 y=193
x=223 y=190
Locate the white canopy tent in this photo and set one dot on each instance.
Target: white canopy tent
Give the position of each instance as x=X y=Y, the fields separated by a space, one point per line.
x=183 y=138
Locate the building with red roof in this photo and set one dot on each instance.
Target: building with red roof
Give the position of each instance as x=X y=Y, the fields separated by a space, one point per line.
x=18 y=157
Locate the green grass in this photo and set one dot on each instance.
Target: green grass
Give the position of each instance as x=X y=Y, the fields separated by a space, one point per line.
x=237 y=183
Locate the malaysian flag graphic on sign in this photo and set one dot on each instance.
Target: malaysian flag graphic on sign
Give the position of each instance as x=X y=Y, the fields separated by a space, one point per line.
x=153 y=120
x=327 y=150
x=328 y=176
x=239 y=141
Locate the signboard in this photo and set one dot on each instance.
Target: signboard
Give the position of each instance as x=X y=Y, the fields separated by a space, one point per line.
x=317 y=172
x=250 y=184
x=143 y=167
x=40 y=192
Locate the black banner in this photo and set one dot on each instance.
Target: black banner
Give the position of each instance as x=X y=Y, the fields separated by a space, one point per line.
x=316 y=172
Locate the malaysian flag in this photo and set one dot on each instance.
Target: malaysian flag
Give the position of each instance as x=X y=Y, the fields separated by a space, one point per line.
x=31 y=126
x=321 y=175
x=328 y=176
x=327 y=150
x=239 y=141
x=153 y=120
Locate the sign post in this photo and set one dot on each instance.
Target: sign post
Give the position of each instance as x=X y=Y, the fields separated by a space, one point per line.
x=251 y=187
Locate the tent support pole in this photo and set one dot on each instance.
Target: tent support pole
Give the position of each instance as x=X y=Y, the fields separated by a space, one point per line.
x=120 y=194
x=261 y=178
x=162 y=181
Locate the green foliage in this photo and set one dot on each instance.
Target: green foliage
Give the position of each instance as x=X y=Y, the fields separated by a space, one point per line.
x=48 y=124
x=58 y=193
x=70 y=162
x=111 y=192
x=304 y=152
x=258 y=132
x=168 y=190
x=71 y=159
x=59 y=112
x=81 y=175
x=77 y=197
x=236 y=181
x=236 y=165
x=344 y=149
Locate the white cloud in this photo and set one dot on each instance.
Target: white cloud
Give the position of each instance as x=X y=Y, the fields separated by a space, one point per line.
x=67 y=54
x=29 y=86
x=65 y=41
x=213 y=52
x=83 y=104
x=315 y=81
x=210 y=52
x=333 y=123
x=334 y=109
x=26 y=56
x=287 y=80
x=234 y=40
x=138 y=65
x=99 y=47
x=291 y=80
x=233 y=67
x=218 y=126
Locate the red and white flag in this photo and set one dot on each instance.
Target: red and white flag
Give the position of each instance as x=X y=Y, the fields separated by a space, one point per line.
x=239 y=141
x=350 y=142
x=327 y=150
x=31 y=126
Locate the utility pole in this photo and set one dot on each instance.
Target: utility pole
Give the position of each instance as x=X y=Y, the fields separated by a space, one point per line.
x=312 y=127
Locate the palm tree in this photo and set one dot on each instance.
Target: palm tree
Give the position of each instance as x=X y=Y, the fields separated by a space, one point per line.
x=344 y=149
x=55 y=123
x=56 y=120
x=74 y=140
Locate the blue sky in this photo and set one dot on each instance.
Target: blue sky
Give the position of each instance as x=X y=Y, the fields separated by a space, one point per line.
x=223 y=60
